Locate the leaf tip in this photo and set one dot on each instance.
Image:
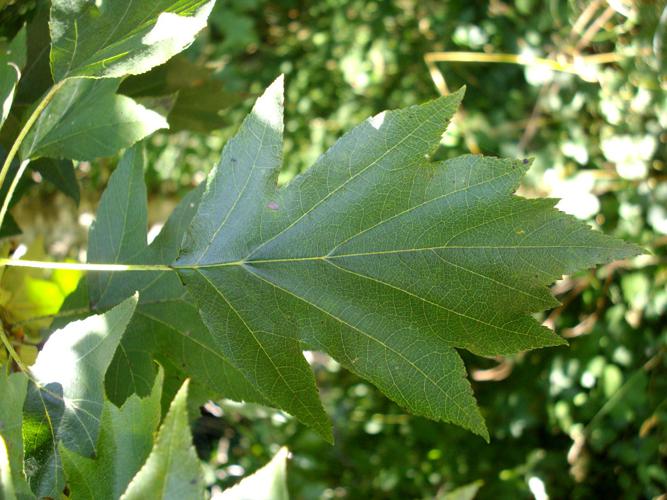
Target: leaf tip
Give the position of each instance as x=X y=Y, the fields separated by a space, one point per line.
x=460 y=93
x=277 y=86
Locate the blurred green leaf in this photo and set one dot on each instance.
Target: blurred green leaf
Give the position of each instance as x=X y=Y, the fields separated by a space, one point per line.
x=199 y=98
x=61 y=174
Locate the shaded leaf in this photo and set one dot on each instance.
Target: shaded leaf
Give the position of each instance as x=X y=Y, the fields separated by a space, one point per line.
x=13 y=389
x=126 y=439
x=61 y=174
x=172 y=469
x=268 y=483
x=167 y=325
x=36 y=78
x=12 y=59
x=113 y=39
x=379 y=257
x=9 y=227
x=64 y=403
x=86 y=119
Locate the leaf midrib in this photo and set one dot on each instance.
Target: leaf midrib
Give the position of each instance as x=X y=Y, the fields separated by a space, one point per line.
x=327 y=257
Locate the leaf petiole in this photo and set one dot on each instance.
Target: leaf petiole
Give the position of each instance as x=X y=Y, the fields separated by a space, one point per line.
x=79 y=266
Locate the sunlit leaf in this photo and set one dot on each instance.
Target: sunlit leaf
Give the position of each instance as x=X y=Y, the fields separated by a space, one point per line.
x=86 y=119
x=6 y=483
x=268 y=483
x=64 y=402
x=113 y=39
x=466 y=492
x=34 y=294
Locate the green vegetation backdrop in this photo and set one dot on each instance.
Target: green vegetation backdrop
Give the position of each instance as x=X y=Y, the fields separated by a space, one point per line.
x=585 y=421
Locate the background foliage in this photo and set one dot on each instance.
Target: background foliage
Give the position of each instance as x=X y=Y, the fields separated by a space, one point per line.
x=580 y=421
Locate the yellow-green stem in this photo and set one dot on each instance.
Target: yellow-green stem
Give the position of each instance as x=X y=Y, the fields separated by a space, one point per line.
x=12 y=188
x=78 y=266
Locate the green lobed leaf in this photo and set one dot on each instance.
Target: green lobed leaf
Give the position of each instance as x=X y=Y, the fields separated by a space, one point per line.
x=268 y=483
x=13 y=389
x=36 y=75
x=65 y=398
x=109 y=39
x=383 y=259
x=126 y=439
x=166 y=325
x=12 y=59
x=172 y=469
x=86 y=119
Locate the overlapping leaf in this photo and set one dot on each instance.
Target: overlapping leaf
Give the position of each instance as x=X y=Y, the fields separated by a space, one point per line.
x=172 y=470
x=108 y=39
x=126 y=439
x=166 y=325
x=381 y=258
x=65 y=397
